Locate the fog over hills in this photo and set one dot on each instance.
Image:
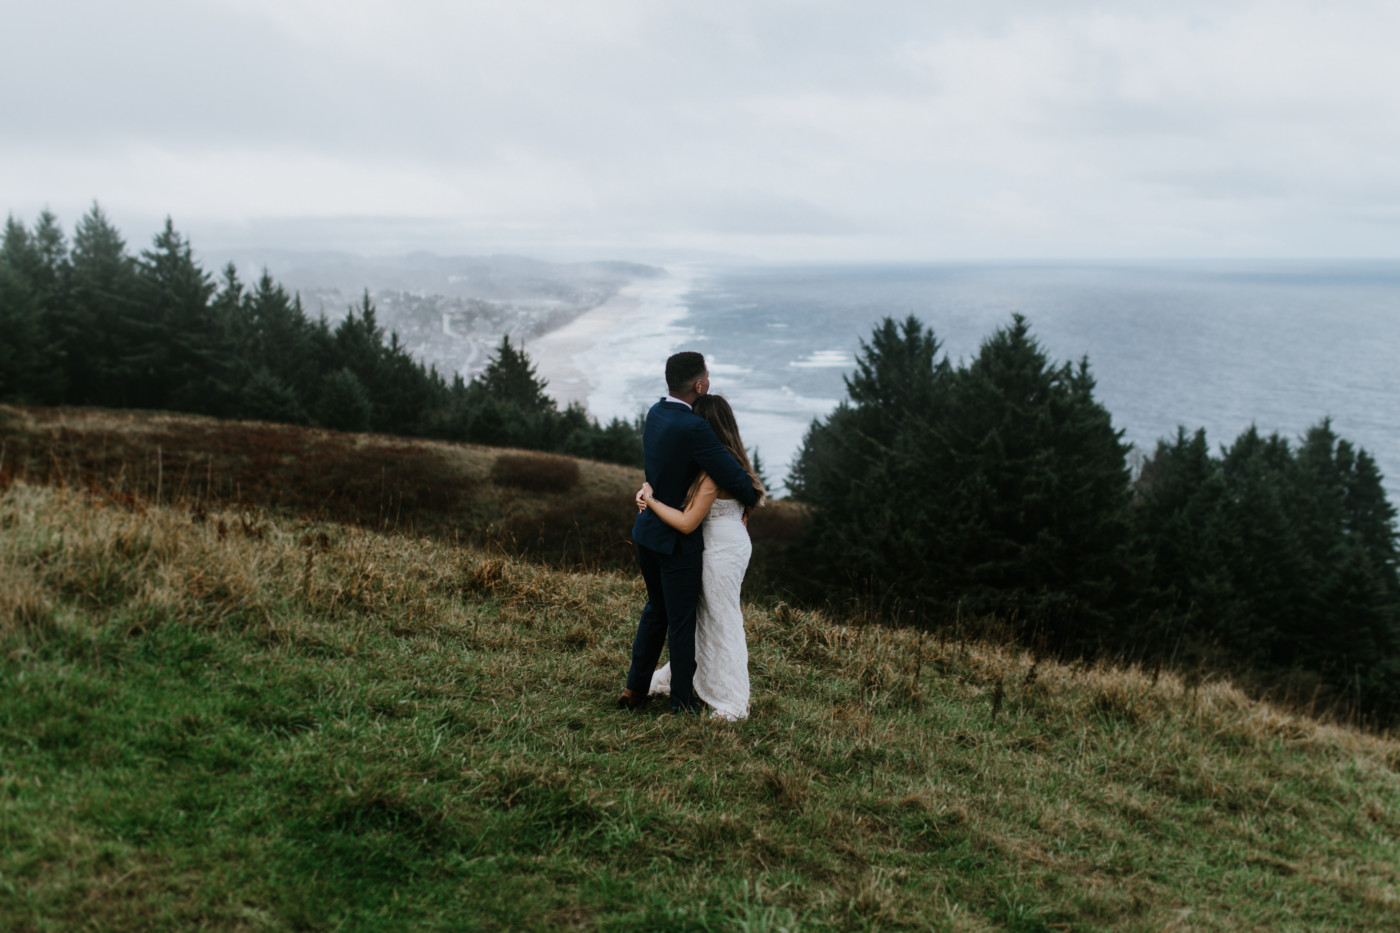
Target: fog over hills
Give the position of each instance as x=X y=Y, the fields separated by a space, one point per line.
x=448 y=310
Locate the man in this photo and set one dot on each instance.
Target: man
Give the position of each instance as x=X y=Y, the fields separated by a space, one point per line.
x=677 y=445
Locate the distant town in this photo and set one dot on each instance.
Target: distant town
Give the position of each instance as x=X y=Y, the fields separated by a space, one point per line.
x=449 y=311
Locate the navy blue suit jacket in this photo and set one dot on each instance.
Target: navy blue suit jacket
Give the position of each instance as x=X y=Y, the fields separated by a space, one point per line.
x=677 y=444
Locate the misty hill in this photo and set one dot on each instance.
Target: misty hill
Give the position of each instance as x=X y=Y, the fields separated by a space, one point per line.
x=448 y=310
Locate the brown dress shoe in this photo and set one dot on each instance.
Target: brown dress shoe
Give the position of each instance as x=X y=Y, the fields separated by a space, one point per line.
x=631 y=702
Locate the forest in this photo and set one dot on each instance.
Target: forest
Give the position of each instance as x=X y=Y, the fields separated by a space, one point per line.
x=90 y=324
x=998 y=494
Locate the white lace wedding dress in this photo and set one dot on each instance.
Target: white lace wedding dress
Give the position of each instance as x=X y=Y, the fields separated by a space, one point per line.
x=721 y=653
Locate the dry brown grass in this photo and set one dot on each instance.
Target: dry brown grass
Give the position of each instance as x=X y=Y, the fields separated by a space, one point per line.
x=885 y=663
x=536 y=472
x=563 y=511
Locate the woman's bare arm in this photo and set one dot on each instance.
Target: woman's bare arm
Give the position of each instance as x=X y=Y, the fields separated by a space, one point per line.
x=689 y=520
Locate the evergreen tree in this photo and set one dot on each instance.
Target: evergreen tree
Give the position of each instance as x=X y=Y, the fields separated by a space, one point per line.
x=344 y=404
x=359 y=342
x=406 y=391
x=1037 y=488
x=19 y=253
x=30 y=358
x=759 y=471
x=493 y=422
x=101 y=346
x=52 y=282
x=51 y=276
x=578 y=432
x=1264 y=553
x=22 y=362
x=229 y=297
x=228 y=312
x=183 y=357
x=266 y=398
x=275 y=336
x=320 y=355
x=1370 y=519
x=1178 y=514
x=510 y=378
x=358 y=346
x=619 y=441
x=1352 y=618
x=872 y=470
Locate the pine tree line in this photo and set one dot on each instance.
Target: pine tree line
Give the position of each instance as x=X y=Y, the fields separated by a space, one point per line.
x=93 y=325
x=1282 y=558
x=999 y=489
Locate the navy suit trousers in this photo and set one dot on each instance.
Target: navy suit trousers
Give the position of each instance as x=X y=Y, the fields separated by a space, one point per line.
x=673 y=590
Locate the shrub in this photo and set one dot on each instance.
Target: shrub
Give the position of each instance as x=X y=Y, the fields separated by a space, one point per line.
x=588 y=532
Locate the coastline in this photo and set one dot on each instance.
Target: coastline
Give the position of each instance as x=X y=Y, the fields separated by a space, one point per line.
x=556 y=353
x=611 y=359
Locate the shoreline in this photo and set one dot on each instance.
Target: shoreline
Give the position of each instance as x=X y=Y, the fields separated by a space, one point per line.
x=556 y=353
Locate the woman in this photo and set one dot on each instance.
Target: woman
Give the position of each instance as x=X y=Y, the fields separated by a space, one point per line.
x=721 y=655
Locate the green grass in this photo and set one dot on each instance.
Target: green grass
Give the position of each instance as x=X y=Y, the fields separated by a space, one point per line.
x=287 y=725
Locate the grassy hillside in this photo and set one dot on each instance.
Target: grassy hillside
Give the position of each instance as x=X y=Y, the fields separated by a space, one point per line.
x=210 y=718
x=571 y=513
x=446 y=490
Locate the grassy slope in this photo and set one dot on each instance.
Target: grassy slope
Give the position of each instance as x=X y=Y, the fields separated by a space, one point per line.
x=416 y=486
x=450 y=491
x=296 y=724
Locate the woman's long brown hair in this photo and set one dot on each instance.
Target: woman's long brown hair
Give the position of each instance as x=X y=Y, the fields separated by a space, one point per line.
x=715 y=409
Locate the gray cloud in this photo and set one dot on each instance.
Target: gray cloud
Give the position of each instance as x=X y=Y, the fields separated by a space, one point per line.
x=898 y=130
x=1222 y=184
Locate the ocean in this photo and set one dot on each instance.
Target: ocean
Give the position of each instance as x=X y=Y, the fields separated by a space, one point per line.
x=1219 y=345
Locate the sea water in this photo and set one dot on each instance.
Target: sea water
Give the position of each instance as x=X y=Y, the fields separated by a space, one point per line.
x=1218 y=345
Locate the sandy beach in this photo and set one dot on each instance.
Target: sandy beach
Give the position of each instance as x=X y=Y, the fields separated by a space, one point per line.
x=556 y=353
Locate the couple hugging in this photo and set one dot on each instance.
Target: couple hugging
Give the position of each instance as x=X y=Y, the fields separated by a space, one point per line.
x=693 y=547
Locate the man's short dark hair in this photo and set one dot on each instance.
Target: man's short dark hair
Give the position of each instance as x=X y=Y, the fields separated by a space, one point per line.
x=682 y=369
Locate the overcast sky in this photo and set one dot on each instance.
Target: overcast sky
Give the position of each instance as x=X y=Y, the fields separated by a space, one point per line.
x=771 y=128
